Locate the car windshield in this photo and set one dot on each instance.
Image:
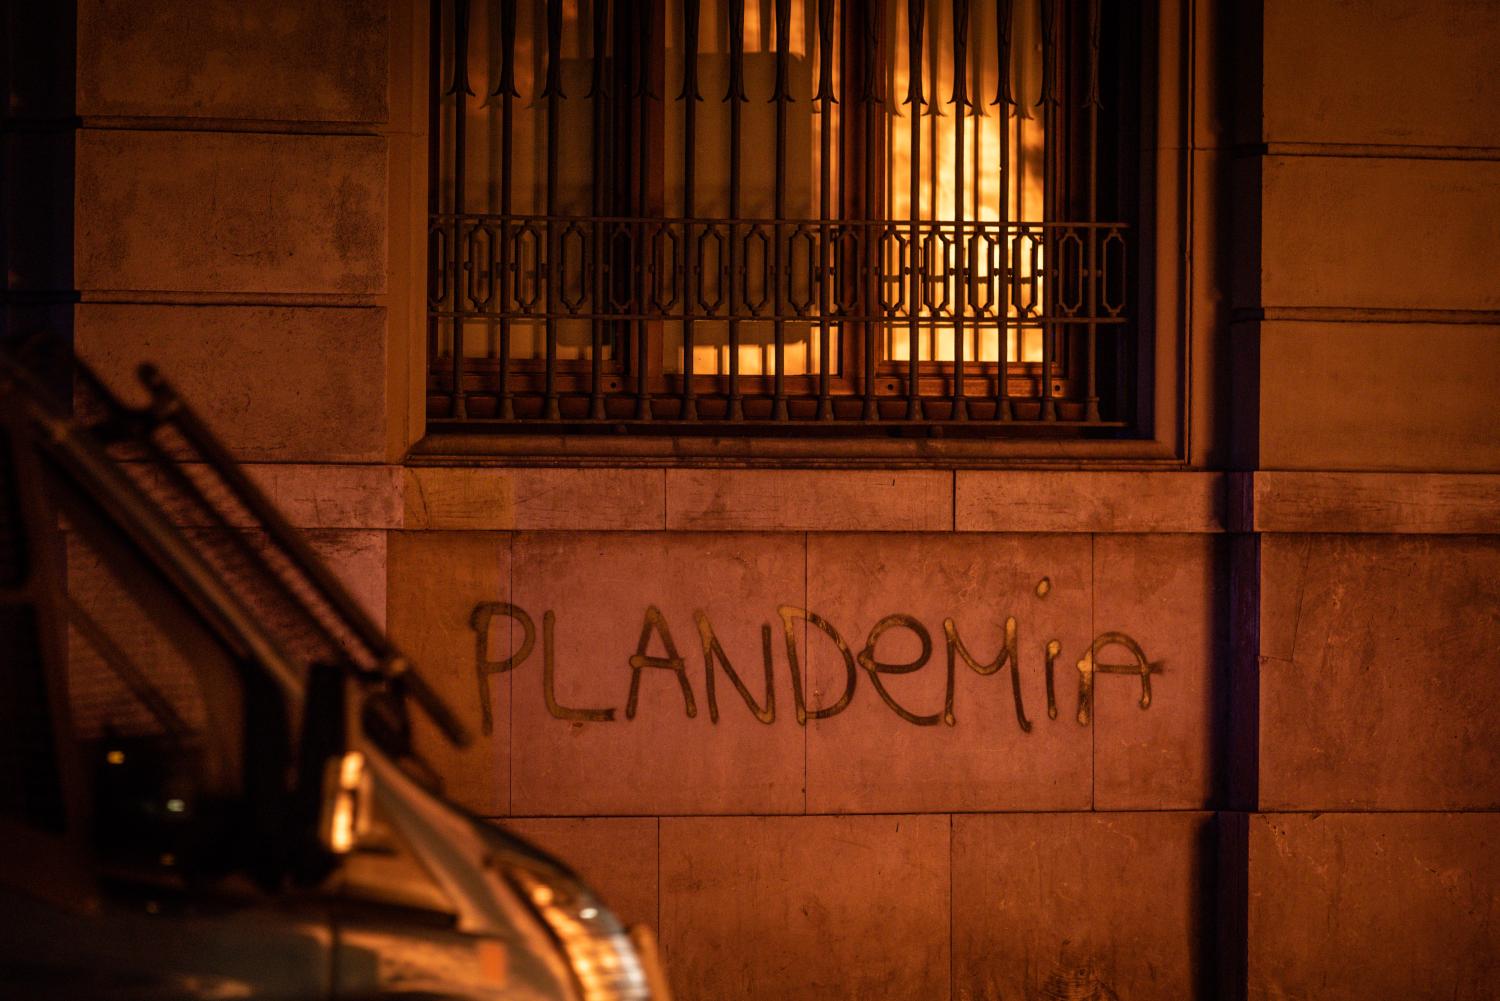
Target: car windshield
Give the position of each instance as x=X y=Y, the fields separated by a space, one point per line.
x=159 y=710
x=194 y=619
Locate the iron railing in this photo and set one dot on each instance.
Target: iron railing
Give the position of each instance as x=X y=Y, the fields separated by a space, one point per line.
x=635 y=317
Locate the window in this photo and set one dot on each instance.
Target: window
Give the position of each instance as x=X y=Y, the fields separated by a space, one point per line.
x=803 y=215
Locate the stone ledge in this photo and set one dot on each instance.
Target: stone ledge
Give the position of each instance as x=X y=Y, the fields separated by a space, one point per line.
x=1369 y=503
x=809 y=500
x=321 y=495
x=533 y=499
x=383 y=496
x=1071 y=501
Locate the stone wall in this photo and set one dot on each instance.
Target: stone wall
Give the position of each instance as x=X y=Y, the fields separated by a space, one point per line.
x=855 y=831
x=1306 y=805
x=1365 y=321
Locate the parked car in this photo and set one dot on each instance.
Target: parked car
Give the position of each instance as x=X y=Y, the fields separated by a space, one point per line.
x=208 y=781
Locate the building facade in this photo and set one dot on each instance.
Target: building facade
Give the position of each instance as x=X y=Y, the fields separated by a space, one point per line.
x=1203 y=710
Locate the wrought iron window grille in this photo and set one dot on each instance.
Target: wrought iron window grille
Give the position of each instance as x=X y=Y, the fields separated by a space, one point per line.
x=626 y=285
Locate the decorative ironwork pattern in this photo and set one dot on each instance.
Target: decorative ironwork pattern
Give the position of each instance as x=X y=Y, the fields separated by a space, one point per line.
x=595 y=293
x=615 y=269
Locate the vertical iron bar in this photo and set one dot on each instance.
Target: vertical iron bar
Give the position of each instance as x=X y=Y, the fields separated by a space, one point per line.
x=690 y=279
x=916 y=15
x=873 y=139
x=1019 y=245
x=553 y=92
x=1091 y=102
x=598 y=93
x=1050 y=189
x=461 y=94
x=960 y=102
x=780 y=266
x=1006 y=103
x=824 y=271
x=506 y=89
x=735 y=96
x=642 y=251
x=845 y=267
x=434 y=164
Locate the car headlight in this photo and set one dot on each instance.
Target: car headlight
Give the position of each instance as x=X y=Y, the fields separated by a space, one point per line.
x=603 y=955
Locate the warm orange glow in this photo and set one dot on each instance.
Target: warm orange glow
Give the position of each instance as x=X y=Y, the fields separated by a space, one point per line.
x=985 y=129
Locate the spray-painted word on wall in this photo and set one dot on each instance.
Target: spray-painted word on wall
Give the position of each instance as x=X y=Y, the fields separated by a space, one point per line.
x=867 y=659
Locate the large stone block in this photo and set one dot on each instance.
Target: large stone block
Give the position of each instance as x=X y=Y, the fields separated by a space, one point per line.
x=275 y=383
x=1409 y=72
x=332 y=496
x=596 y=735
x=1374 y=692
x=1073 y=501
x=1081 y=905
x=1397 y=396
x=1348 y=907
x=810 y=908
x=811 y=500
x=535 y=499
x=925 y=752
x=1166 y=594
x=291 y=60
x=358 y=559
x=1428 y=247
x=436 y=581
x=230 y=213
x=1375 y=503
x=615 y=856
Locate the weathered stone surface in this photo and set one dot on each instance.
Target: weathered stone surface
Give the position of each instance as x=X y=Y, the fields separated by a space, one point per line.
x=742 y=500
x=1373 y=396
x=1166 y=592
x=806 y=907
x=867 y=758
x=1428 y=247
x=358 y=559
x=1074 y=501
x=308 y=495
x=294 y=60
x=1375 y=694
x=1085 y=905
x=332 y=496
x=1400 y=503
x=230 y=212
x=535 y=499
x=599 y=586
x=260 y=377
x=436 y=580
x=615 y=856
x=1347 y=907
x=1383 y=71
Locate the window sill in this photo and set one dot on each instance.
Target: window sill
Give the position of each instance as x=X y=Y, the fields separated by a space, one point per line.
x=683 y=451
